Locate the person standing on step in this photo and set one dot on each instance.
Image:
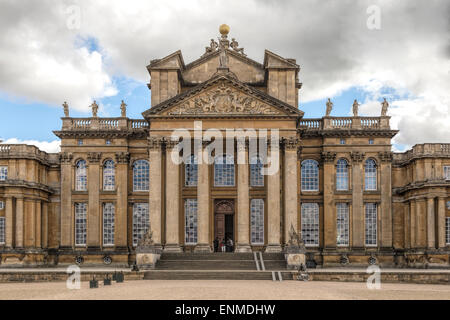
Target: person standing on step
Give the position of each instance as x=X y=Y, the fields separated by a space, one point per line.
x=223 y=245
x=216 y=244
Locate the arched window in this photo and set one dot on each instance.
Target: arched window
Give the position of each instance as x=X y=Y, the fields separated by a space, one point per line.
x=310 y=175
x=256 y=177
x=370 y=171
x=191 y=171
x=141 y=173
x=224 y=171
x=257 y=221
x=109 y=175
x=81 y=176
x=342 y=175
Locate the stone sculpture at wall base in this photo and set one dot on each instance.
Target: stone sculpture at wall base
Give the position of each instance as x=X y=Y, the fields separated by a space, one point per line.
x=147 y=253
x=295 y=251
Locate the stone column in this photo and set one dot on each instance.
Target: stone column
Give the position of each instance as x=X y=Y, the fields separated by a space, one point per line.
x=329 y=208
x=172 y=200
x=19 y=222
x=441 y=222
x=9 y=222
x=406 y=226
x=45 y=229
x=121 y=210
x=30 y=223
x=357 y=200
x=66 y=201
x=273 y=203
x=290 y=186
x=203 y=204
x=421 y=223
x=154 y=144
x=431 y=236
x=243 y=201
x=412 y=222
x=38 y=221
x=94 y=212
x=386 y=199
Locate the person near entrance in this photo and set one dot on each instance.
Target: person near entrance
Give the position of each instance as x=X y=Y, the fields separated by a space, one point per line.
x=230 y=245
x=223 y=245
x=216 y=244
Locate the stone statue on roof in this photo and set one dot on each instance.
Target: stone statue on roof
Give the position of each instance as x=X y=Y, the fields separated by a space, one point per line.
x=384 y=107
x=66 y=109
x=235 y=46
x=329 y=107
x=355 y=108
x=94 y=107
x=123 y=109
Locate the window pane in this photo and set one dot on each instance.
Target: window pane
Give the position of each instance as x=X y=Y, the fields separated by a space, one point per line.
x=141 y=221
x=371 y=224
x=256 y=176
x=447 y=172
x=310 y=175
x=342 y=224
x=2 y=230
x=257 y=221
x=447 y=230
x=191 y=171
x=310 y=224
x=370 y=175
x=190 y=227
x=80 y=224
x=341 y=175
x=81 y=176
x=109 y=175
x=3 y=173
x=108 y=224
x=141 y=171
x=224 y=171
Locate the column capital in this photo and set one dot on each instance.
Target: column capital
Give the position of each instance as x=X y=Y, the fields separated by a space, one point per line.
x=291 y=143
x=170 y=144
x=65 y=157
x=328 y=156
x=94 y=157
x=123 y=157
x=385 y=156
x=357 y=156
x=154 y=142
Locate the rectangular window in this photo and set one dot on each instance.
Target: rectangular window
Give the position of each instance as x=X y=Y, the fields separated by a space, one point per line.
x=447 y=172
x=2 y=230
x=2 y=205
x=257 y=221
x=310 y=224
x=3 y=173
x=141 y=221
x=342 y=224
x=371 y=224
x=108 y=224
x=190 y=227
x=80 y=224
x=447 y=230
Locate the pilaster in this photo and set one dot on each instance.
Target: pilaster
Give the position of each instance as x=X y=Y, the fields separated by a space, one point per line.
x=243 y=199
x=329 y=214
x=154 y=144
x=357 y=200
x=274 y=203
x=121 y=210
x=66 y=200
x=94 y=217
x=203 y=203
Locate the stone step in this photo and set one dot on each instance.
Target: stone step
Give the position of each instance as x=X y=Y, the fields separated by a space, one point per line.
x=206 y=264
x=220 y=256
x=275 y=265
x=213 y=275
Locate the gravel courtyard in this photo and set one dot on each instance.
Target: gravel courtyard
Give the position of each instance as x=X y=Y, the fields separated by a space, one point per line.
x=223 y=290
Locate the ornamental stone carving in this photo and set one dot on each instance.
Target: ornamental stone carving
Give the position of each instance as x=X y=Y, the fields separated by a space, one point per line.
x=154 y=142
x=328 y=156
x=170 y=144
x=384 y=108
x=385 y=156
x=291 y=143
x=223 y=100
x=122 y=157
x=66 y=109
x=94 y=157
x=65 y=157
x=357 y=156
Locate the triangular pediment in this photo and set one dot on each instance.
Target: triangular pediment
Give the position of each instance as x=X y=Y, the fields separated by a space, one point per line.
x=223 y=95
x=172 y=61
x=272 y=60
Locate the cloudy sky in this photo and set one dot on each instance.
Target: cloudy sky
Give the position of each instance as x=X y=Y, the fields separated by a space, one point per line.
x=52 y=51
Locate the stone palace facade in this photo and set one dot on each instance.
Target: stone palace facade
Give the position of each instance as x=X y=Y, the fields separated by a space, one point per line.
x=336 y=180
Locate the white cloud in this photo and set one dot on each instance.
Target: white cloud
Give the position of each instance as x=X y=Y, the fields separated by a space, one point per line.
x=330 y=40
x=47 y=146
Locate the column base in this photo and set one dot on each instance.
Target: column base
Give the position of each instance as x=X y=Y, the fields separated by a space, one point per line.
x=202 y=248
x=172 y=248
x=273 y=248
x=243 y=248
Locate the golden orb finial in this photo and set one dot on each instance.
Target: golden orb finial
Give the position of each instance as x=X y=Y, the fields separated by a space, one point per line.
x=224 y=29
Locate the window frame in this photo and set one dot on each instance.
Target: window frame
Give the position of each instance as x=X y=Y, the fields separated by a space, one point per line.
x=307 y=178
x=144 y=222
x=144 y=178
x=446 y=172
x=3 y=173
x=111 y=175
x=342 y=174
x=374 y=226
x=83 y=226
x=373 y=175
x=81 y=175
x=256 y=166
x=108 y=223
x=257 y=228
x=310 y=225
x=190 y=232
x=2 y=231
x=226 y=168
x=189 y=170
x=345 y=226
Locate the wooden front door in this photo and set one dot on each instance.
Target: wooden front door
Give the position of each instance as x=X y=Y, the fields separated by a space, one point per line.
x=223 y=219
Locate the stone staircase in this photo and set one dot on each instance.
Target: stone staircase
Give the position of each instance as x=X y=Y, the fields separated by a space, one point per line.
x=219 y=266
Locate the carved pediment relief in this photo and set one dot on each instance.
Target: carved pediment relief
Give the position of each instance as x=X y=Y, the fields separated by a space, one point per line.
x=223 y=99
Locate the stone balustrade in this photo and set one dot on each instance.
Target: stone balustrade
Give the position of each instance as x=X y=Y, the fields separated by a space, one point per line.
x=23 y=151
x=346 y=123
x=423 y=151
x=70 y=124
